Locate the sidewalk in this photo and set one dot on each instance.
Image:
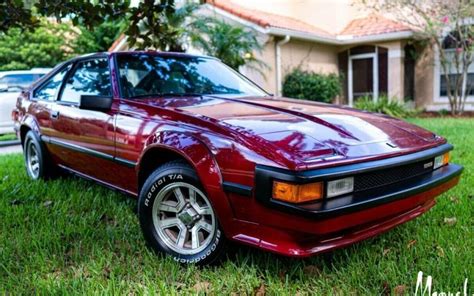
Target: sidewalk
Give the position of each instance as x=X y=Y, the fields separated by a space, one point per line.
x=10 y=149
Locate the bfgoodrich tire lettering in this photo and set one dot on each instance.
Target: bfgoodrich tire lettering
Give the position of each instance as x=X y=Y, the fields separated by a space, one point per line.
x=177 y=217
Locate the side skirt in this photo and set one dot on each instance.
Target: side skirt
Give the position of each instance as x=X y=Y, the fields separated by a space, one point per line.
x=100 y=182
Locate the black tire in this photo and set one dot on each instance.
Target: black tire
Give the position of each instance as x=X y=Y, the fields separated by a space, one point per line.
x=178 y=174
x=45 y=169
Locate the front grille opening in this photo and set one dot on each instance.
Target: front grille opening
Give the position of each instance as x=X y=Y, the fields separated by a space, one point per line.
x=391 y=175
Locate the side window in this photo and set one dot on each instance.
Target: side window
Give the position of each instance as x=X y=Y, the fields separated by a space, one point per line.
x=49 y=90
x=91 y=77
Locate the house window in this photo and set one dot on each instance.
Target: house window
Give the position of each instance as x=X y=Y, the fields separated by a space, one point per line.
x=443 y=90
x=450 y=44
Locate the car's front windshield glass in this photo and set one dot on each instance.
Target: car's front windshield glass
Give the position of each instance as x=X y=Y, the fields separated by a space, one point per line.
x=143 y=75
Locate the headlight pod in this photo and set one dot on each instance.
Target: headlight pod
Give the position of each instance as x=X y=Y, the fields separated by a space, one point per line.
x=441 y=160
x=298 y=193
x=340 y=187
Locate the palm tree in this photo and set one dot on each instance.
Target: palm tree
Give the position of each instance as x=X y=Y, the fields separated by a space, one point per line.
x=177 y=27
x=233 y=45
x=172 y=33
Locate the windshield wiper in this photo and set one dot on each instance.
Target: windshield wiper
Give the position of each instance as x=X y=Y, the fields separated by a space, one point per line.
x=167 y=95
x=180 y=95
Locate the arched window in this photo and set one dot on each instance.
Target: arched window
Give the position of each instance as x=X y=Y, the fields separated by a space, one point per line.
x=453 y=44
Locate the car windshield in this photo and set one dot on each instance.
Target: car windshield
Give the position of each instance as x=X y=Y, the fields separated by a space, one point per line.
x=143 y=75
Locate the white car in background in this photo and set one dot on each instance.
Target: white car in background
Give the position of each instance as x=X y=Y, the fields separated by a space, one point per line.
x=11 y=85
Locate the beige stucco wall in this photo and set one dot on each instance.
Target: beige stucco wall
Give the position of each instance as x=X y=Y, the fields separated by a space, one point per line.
x=309 y=56
x=265 y=78
x=396 y=68
x=424 y=77
x=319 y=13
x=314 y=57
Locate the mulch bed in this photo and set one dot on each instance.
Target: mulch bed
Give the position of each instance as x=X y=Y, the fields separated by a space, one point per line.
x=432 y=114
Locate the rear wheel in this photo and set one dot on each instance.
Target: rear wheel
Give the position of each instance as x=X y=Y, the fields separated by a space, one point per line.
x=37 y=162
x=177 y=217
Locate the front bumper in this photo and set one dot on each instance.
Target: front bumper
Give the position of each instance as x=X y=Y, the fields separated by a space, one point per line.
x=306 y=229
x=359 y=200
x=296 y=236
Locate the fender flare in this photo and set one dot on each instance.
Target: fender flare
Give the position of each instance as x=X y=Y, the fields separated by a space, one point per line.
x=31 y=124
x=198 y=155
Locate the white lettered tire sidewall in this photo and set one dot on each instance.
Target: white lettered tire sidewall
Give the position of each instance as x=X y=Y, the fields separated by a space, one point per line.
x=162 y=177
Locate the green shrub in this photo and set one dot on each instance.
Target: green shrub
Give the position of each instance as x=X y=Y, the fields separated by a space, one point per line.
x=384 y=105
x=306 y=85
x=443 y=112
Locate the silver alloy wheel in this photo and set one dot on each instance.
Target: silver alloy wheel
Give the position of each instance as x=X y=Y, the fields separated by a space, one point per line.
x=183 y=218
x=32 y=159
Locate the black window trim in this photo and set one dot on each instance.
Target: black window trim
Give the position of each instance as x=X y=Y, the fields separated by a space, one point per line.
x=71 y=72
x=117 y=76
x=47 y=78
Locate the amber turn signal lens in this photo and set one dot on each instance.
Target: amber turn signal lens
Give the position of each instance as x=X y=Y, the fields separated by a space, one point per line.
x=441 y=160
x=446 y=158
x=297 y=193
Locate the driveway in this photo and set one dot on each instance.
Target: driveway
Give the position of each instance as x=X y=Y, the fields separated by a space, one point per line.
x=11 y=149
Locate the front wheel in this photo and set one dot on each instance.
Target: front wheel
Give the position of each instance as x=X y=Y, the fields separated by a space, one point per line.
x=177 y=217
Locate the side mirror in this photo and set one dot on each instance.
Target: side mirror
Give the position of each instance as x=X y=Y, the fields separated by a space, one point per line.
x=96 y=103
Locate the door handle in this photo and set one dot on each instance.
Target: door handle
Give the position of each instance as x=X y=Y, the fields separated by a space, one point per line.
x=54 y=114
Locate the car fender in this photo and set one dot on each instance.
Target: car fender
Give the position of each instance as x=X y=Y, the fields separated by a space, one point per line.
x=30 y=122
x=198 y=155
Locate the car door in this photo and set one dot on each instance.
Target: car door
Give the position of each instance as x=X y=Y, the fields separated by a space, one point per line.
x=85 y=137
x=43 y=97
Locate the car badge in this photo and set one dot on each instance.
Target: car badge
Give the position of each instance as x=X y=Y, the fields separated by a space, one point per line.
x=428 y=165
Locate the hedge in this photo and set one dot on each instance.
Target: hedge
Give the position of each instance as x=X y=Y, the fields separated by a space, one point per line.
x=312 y=86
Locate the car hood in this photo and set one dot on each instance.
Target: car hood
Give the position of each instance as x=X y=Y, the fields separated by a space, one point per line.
x=308 y=131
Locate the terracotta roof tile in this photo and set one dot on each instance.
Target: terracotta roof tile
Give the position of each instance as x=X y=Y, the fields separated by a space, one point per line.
x=265 y=19
x=373 y=25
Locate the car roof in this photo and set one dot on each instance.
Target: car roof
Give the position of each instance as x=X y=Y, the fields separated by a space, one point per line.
x=146 y=52
x=164 y=53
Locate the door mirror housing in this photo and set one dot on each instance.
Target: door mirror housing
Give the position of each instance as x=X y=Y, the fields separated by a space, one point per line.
x=96 y=103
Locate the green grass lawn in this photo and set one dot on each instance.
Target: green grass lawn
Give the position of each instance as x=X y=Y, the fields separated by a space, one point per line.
x=71 y=236
x=7 y=137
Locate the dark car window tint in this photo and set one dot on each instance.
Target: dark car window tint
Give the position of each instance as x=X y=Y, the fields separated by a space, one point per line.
x=144 y=75
x=91 y=77
x=22 y=80
x=50 y=88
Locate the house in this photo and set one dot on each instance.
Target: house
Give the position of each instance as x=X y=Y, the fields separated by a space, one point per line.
x=375 y=54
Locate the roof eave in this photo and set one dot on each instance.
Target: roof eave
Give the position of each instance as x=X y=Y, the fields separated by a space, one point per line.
x=302 y=35
x=341 y=39
x=331 y=40
x=390 y=36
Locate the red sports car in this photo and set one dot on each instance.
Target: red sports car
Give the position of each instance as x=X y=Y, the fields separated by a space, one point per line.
x=212 y=157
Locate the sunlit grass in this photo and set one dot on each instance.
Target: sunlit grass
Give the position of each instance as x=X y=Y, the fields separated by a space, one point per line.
x=7 y=137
